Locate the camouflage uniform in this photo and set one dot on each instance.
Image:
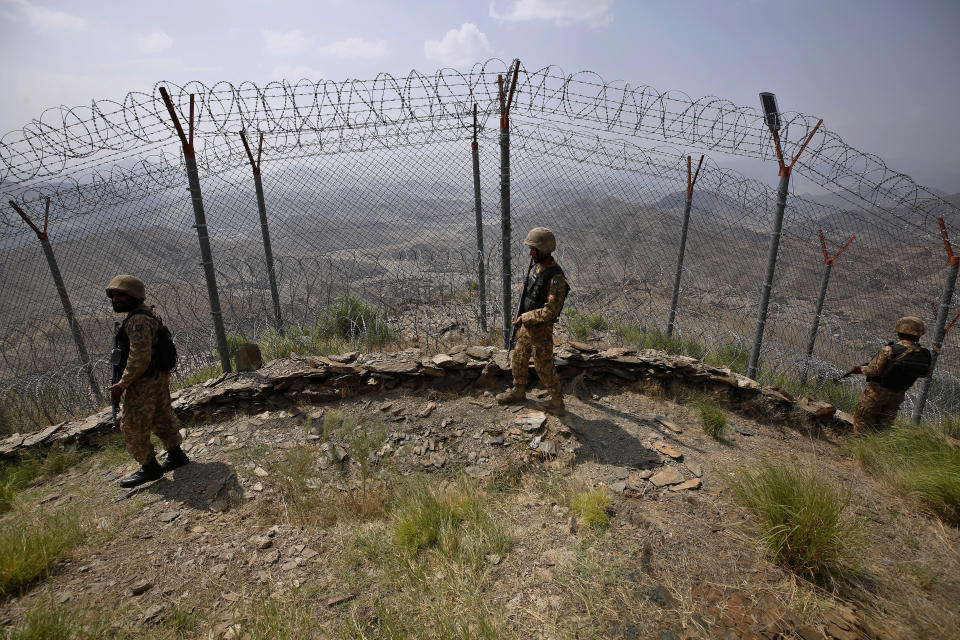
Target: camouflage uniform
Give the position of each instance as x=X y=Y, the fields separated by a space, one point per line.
x=146 y=400
x=536 y=335
x=878 y=405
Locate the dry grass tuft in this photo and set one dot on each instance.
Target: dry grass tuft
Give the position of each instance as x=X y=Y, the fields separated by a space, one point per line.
x=800 y=519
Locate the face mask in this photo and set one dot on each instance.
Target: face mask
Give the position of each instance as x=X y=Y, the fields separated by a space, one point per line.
x=123 y=307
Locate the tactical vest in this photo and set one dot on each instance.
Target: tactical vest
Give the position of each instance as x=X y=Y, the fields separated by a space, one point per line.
x=538 y=289
x=904 y=368
x=163 y=353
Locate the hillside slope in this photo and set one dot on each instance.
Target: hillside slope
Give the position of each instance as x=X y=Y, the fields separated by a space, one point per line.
x=276 y=529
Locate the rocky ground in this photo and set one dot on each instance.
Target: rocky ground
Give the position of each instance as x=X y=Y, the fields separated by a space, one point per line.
x=276 y=530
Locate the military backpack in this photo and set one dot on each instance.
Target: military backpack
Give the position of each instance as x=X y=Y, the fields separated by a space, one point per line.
x=904 y=368
x=163 y=353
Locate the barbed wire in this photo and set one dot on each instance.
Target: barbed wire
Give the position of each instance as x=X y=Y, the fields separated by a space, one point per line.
x=369 y=193
x=306 y=115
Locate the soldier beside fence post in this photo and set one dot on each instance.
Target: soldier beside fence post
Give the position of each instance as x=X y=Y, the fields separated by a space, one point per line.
x=141 y=380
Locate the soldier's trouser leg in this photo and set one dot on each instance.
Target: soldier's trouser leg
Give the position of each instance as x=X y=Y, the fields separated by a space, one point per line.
x=877 y=407
x=146 y=410
x=542 y=339
x=520 y=358
x=889 y=406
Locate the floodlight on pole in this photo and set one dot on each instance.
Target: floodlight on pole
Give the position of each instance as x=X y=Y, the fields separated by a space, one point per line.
x=770 y=111
x=771 y=115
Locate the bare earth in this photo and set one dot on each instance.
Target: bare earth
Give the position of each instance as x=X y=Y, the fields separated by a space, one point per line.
x=224 y=544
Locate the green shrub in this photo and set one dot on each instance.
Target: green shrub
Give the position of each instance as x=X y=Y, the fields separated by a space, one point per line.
x=453 y=521
x=234 y=341
x=592 y=507
x=362 y=441
x=582 y=325
x=199 y=376
x=47 y=621
x=918 y=461
x=17 y=474
x=643 y=338
x=275 y=619
x=348 y=324
x=353 y=320
x=800 y=519
x=714 y=419
x=731 y=356
x=31 y=545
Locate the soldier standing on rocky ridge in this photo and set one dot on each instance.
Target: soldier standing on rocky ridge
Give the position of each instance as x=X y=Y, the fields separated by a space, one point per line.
x=890 y=374
x=139 y=379
x=546 y=291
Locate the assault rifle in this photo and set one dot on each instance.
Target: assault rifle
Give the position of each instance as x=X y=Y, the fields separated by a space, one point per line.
x=523 y=297
x=851 y=372
x=115 y=356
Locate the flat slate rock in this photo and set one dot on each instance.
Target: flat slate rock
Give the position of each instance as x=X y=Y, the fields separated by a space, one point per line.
x=392 y=366
x=531 y=420
x=667 y=477
x=689 y=485
x=668 y=424
x=668 y=449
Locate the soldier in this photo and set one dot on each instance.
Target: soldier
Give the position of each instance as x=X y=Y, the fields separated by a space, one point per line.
x=546 y=291
x=891 y=372
x=144 y=388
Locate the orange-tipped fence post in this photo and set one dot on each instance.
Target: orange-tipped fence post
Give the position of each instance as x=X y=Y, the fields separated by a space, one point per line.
x=828 y=265
x=691 y=180
x=782 y=190
x=481 y=271
x=940 y=331
x=62 y=292
x=200 y=218
x=505 y=102
x=264 y=228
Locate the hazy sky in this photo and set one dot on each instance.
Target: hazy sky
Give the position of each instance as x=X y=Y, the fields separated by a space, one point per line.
x=881 y=74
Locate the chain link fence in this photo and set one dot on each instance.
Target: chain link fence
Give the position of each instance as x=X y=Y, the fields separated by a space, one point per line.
x=368 y=189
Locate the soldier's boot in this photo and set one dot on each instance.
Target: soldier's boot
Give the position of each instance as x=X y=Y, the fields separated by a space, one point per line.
x=555 y=404
x=514 y=395
x=176 y=458
x=146 y=473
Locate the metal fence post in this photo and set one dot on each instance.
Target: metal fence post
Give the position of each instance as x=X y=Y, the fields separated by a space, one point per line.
x=828 y=265
x=683 y=244
x=265 y=229
x=505 y=200
x=481 y=269
x=938 y=335
x=206 y=255
x=62 y=292
x=782 y=191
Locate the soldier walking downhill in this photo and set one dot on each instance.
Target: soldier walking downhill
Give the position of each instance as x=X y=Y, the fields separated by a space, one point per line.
x=142 y=384
x=546 y=291
x=890 y=374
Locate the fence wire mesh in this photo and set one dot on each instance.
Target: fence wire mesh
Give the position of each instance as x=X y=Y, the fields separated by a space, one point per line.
x=369 y=193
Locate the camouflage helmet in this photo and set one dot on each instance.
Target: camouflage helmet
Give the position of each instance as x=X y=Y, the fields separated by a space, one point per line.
x=911 y=326
x=541 y=239
x=129 y=285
